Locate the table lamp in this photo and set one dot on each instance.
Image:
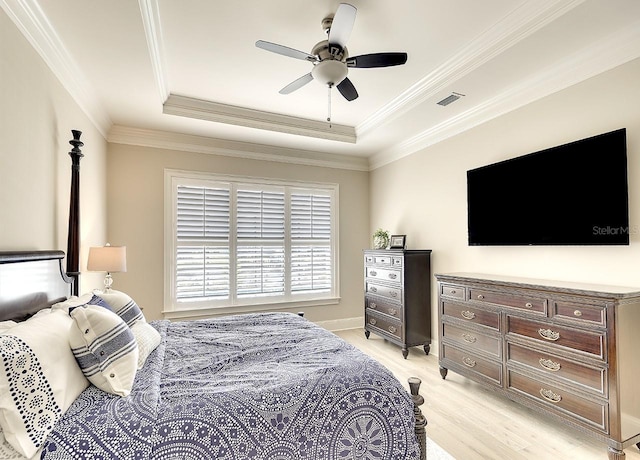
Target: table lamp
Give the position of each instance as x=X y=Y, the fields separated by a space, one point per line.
x=110 y=259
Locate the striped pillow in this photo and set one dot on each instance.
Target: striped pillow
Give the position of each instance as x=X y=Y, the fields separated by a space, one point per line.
x=105 y=348
x=122 y=304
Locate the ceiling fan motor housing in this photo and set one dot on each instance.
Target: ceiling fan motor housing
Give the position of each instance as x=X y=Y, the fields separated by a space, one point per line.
x=325 y=51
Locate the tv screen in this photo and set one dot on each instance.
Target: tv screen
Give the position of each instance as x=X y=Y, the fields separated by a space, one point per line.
x=573 y=194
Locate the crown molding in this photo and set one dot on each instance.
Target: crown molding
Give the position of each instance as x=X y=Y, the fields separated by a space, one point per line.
x=511 y=29
x=201 y=144
x=36 y=28
x=617 y=49
x=150 y=12
x=222 y=113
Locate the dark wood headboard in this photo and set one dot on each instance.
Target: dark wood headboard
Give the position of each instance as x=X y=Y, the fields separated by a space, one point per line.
x=31 y=281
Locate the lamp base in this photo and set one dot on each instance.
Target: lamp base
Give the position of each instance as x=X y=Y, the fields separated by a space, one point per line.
x=108 y=281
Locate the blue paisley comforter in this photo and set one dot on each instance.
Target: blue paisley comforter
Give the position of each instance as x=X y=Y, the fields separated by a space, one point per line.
x=259 y=386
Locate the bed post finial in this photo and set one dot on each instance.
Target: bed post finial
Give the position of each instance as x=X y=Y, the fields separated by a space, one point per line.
x=73 y=237
x=421 y=421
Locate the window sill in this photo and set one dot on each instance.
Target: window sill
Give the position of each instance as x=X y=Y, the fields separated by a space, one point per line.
x=193 y=313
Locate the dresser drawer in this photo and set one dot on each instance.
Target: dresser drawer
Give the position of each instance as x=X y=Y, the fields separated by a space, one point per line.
x=397 y=261
x=528 y=303
x=453 y=291
x=386 y=306
x=382 y=260
x=471 y=314
x=593 y=413
x=386 y=326
x=389 y=292
x=472 y=339
x=385 y=274
x=591 y=343
x=582 y=313
x=572 y=372
x=472 y=363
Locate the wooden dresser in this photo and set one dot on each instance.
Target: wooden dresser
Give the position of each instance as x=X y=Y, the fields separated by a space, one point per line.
x=397 y=299
x=569 y=350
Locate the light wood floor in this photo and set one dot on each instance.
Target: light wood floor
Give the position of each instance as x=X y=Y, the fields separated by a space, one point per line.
x=472 y=423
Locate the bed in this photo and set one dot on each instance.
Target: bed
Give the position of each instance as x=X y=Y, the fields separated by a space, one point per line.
x=252 y=386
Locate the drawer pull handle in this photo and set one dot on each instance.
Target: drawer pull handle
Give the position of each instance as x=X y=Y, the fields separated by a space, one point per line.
x=467 y=314
x=548 y=334
x=393 y=276
x=468 y=362
x=372 y=321
x=469 y=338
x=373 y=273
x=373 y=289
x=480 y=296
x=393 y=294
x=550 y=395
x=549 y=365
x=372 y=305
x=393 y=311
x=577 y=313
x=528 y=305
x=452 y=291
x=392 y=329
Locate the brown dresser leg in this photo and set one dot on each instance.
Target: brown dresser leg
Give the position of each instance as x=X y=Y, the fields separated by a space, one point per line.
x=443 y=372
x=615 y=454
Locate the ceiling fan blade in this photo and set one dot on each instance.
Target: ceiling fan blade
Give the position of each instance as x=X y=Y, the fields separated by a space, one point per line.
x=347 y=89
x=342 y=24
x=296 y=84
x=377 y=60
x=285 y=51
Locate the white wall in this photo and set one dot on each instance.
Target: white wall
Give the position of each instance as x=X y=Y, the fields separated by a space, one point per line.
x=136 y=213
x=424 y=195
x=36 y=119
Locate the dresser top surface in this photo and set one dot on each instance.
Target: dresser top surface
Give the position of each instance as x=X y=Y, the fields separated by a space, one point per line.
x=392 y=252
x=545 y=284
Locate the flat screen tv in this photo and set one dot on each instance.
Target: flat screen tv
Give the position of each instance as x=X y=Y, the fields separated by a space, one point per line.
x=573 y=194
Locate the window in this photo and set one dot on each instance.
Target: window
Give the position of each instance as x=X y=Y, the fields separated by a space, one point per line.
x=234 y=241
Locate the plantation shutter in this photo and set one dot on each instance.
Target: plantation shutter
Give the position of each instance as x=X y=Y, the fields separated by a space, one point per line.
x=238 y=241
x=260 y=269
x=311 y=258
x=202 y=246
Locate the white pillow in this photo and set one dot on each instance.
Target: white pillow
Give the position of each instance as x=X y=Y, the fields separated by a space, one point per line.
x=6 y=325
x=123 y=305
x=105 y=348
x=39 y=379
x=147 y=339
x=71 y=302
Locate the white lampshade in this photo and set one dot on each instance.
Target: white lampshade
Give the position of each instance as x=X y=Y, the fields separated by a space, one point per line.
x=110 y=259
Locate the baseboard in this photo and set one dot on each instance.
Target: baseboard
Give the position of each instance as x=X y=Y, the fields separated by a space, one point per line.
x=342 y=324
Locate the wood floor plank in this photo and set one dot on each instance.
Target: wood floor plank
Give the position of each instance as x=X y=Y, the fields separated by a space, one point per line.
x=473 y=423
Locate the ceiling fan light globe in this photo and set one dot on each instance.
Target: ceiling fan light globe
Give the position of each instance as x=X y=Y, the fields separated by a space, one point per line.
x=330 y=72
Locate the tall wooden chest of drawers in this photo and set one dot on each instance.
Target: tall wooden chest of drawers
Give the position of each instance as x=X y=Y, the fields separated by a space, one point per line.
x=397 y=299
x=569 y=350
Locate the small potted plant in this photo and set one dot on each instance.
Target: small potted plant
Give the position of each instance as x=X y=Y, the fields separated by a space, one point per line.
x=380 y=239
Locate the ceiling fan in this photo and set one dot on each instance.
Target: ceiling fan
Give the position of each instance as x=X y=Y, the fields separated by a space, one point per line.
x=330 y=57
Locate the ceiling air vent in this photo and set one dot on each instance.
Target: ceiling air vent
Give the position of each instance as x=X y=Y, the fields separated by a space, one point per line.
x=449 y=99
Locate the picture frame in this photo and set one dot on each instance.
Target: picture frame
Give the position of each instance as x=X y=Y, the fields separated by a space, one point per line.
x=397 y=241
